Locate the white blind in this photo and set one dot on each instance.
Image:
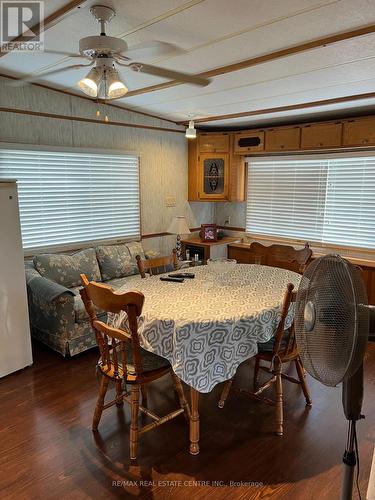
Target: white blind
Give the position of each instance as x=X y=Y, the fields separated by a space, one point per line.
x=322 y=199
x=74 y=197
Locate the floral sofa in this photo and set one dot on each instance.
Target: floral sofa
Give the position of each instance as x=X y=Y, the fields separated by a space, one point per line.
x=57 y=314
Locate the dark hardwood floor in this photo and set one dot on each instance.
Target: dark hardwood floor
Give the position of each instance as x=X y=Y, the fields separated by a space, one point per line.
x=47 y=449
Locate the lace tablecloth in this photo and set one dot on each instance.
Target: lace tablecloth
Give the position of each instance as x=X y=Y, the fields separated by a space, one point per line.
x=208 y=325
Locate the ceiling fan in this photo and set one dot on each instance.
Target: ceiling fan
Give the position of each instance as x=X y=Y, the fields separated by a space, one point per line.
x=105 y=53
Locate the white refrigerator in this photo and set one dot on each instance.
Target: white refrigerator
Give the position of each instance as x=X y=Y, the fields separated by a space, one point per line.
x=15 y=342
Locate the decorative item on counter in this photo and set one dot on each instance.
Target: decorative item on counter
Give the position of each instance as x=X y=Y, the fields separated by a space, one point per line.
x=178 y=226
x=220 y=234
x=208 y=232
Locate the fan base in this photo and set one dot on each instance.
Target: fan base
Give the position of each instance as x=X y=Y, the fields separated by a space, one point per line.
x=102 y=13
x=96 y=45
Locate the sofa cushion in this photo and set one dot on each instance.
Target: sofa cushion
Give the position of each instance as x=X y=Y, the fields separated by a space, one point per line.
x=66 y=268
x=126 y=282
x=115 y=261
x=135 y=248
x=80 y=313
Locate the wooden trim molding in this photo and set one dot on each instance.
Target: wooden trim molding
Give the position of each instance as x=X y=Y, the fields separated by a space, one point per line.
x=48 y=22
x=95 y=102
x=270 y=56
x=154 y=235
x=159 y=235
x=290 y=107
x=86 y=120
x=231 y=228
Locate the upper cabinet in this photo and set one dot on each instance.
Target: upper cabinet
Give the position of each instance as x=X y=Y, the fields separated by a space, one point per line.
x=213 y=143
x=283 y=139
x=246 y=142
x=215 y=174
x=217 y=159
x=321 y=135
x=359 y=132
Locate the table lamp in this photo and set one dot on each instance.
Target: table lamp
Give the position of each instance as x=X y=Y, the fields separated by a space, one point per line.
x=178 y=226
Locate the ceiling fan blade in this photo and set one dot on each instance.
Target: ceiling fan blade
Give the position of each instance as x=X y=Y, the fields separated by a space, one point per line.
x=166 y=73
x=30 y=79
x=153 y=49
x=61 y=53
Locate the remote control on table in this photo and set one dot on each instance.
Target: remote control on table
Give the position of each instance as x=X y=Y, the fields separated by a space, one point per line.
x=174 y=280
x=182 y=275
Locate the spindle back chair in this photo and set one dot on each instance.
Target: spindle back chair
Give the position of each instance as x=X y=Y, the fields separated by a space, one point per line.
x=158 y=265
x=122 y=359
x=283 y=256
x=281 y=349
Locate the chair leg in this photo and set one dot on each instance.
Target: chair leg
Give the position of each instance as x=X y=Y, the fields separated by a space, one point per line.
x=100 y=402
x=225 y=392
x=144 y=395
x=134 y=421
x=119 y=398
x=301 y=376
x=181 y=396
x=256 y=372
x=279 y=397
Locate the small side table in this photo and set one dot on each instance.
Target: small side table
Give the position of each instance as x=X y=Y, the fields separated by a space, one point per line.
x=207 y=249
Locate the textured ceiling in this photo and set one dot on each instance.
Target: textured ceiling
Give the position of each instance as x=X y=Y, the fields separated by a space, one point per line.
x=214 y=33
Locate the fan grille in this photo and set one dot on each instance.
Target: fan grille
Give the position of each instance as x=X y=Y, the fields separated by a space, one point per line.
x=332 y=347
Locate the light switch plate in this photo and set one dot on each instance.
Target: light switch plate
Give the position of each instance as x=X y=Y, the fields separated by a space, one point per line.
x=170 y=201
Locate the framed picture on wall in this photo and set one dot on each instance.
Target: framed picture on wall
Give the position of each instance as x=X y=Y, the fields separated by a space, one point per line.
x=208 y=232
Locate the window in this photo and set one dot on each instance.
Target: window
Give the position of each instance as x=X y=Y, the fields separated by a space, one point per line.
x=68 y=198
x=328 y=199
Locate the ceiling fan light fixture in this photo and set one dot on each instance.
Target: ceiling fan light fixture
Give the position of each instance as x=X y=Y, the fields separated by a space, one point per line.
x=116 y=88
x=110 y=85
x=89 y=84
x=191 y=132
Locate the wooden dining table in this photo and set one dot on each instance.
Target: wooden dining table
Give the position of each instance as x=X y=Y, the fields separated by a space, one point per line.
x=208 y=325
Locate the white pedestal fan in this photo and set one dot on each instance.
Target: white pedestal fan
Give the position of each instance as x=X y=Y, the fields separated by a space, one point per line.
x=332 y=322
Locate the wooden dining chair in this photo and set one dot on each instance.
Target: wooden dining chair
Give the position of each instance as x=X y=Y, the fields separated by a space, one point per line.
x=279 y=350
x=283 y=256
x=157 y=265
x=123 y=361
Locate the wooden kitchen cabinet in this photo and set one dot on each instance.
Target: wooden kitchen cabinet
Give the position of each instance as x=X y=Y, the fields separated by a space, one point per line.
x=321 y=135
x=213 y=143
x=249 y=141
x=215 y=176
x=283 y=139
x=359 y=132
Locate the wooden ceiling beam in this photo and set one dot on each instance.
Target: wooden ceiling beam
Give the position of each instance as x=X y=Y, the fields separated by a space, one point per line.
x=289 y=107
x=82 y=119
x=93 y=101
x=271 y=56
x=48 y=22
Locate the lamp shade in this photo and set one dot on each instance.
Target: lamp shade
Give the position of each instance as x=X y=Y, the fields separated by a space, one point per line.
x=178 y=225
x=89 y=84
x=116 y=88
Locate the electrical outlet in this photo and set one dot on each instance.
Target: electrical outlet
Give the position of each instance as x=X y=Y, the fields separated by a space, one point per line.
x=227 y=221
x=170 y=201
